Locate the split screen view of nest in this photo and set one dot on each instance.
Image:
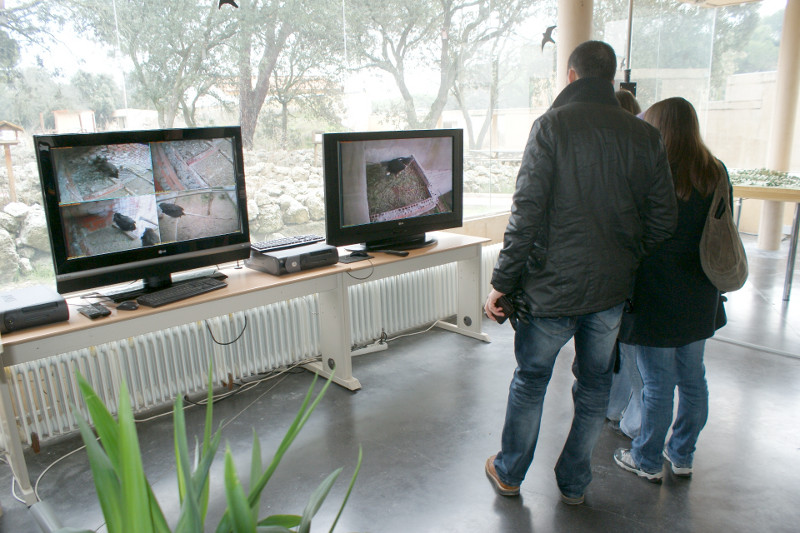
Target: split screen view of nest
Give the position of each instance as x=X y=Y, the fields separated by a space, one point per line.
x=124 y=196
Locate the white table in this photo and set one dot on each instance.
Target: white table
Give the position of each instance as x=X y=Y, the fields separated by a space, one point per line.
x=248 y=289
x=778 y=195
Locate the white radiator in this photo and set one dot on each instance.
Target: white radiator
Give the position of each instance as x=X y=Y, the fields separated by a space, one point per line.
x=159 y=366
x=489 y=256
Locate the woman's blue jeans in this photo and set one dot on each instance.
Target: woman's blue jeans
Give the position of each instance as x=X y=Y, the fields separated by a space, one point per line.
x=536 y=346
x=662 y=370
x=625 y=399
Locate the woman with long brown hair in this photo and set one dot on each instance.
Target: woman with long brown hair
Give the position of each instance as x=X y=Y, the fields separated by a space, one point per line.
x=675 y=308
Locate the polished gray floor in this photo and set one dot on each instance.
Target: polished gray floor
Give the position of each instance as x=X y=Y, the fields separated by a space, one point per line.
x=430 y=413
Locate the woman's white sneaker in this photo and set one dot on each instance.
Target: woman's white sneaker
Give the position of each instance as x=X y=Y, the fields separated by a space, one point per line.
x=682 y=471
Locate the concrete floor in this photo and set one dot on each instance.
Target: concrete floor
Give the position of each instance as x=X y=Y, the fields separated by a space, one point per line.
x=430 y=413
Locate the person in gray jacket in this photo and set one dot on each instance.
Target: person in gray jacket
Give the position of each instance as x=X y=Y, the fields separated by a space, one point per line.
x=594 y=195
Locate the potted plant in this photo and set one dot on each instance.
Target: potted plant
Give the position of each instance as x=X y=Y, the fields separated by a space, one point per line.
x=127 y=499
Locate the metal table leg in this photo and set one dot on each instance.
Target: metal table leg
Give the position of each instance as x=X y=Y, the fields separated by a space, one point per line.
x=787 y=284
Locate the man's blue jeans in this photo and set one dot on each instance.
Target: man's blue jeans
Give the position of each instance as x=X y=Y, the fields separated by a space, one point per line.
x=662 y=370
x=536 y=345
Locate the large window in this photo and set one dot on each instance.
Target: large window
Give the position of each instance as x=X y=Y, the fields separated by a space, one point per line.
x=287 y=71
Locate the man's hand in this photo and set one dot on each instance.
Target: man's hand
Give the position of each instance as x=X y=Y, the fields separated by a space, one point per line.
x=491 y=307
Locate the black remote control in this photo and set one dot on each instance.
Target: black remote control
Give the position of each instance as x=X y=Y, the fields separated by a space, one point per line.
x=95 y=310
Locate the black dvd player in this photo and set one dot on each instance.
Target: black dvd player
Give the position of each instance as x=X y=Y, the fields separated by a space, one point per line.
x=294 y=259
x=31 y=306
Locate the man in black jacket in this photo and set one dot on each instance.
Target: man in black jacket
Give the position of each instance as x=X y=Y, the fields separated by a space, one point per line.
x=594 y=194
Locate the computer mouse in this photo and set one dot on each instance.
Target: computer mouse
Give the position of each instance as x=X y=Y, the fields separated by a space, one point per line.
x=359 y=253
x=128 y=305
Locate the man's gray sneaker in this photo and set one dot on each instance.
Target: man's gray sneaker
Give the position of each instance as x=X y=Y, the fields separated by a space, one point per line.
x=624 y=460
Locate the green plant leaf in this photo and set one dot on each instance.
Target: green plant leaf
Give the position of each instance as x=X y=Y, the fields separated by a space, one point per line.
x=105 y=425
x=349 y=489
x=283 y=520
x=299 y=421
x=316 y=499
x=108 y=431
x=156 y=514
x=106 y=482
x=189 y=519
x=209 y=405
x=181 y=447
x=136 y=508
x=255 y=468
x=200 y=475
x=207 y=437
x=272 y=529
x=237 y=500
x=294 y=429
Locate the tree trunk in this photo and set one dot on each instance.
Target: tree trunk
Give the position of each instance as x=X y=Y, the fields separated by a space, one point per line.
x=284 y=124
x=493 y=91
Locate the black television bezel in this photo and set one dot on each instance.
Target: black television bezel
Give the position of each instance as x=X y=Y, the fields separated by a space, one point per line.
x=152 y=264
x=394 y=234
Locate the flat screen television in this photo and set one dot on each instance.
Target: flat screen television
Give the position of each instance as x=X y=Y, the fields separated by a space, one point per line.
x=129 y=205
x=385 y=189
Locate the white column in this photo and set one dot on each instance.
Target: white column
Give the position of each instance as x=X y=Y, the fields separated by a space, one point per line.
x=574 y=27
x=779 y=150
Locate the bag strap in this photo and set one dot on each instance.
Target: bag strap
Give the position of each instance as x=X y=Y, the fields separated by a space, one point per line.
x=722 y=193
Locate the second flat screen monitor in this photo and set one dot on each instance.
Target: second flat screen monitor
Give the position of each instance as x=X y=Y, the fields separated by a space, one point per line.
x=388 y=188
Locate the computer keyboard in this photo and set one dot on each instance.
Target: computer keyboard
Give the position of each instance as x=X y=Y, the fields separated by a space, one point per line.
x=180 y=291
x=285 y=242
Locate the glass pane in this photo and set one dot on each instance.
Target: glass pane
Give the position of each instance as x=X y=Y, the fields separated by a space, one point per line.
x=289 y=71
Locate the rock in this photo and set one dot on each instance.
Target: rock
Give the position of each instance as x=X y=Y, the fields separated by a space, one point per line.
x=299 y=174
x=33 y=232
x=9 y=223
x=316 y=206
x=25 y=266
x=10 y=258
x=252 y=209
x=16 y=209
x=293 y=211
x=270 y=220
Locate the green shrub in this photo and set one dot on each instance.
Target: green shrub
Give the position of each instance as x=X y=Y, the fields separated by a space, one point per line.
x=762 y=177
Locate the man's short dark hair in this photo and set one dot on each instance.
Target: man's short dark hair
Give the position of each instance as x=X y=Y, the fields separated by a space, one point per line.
x=593 y=59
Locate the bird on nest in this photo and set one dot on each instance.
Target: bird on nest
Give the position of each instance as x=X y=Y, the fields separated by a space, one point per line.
x=149 y=237
x=123 y=222
x=172 y=210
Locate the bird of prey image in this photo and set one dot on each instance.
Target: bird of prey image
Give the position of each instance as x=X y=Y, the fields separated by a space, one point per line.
x=149 y=237
x=547 y=36
x=396 y=166
x=230 y=2
x=104 y=166
x=124 y=223
x=173 y=210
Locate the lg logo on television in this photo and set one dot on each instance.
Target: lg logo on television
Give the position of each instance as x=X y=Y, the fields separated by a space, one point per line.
x=162 y=252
